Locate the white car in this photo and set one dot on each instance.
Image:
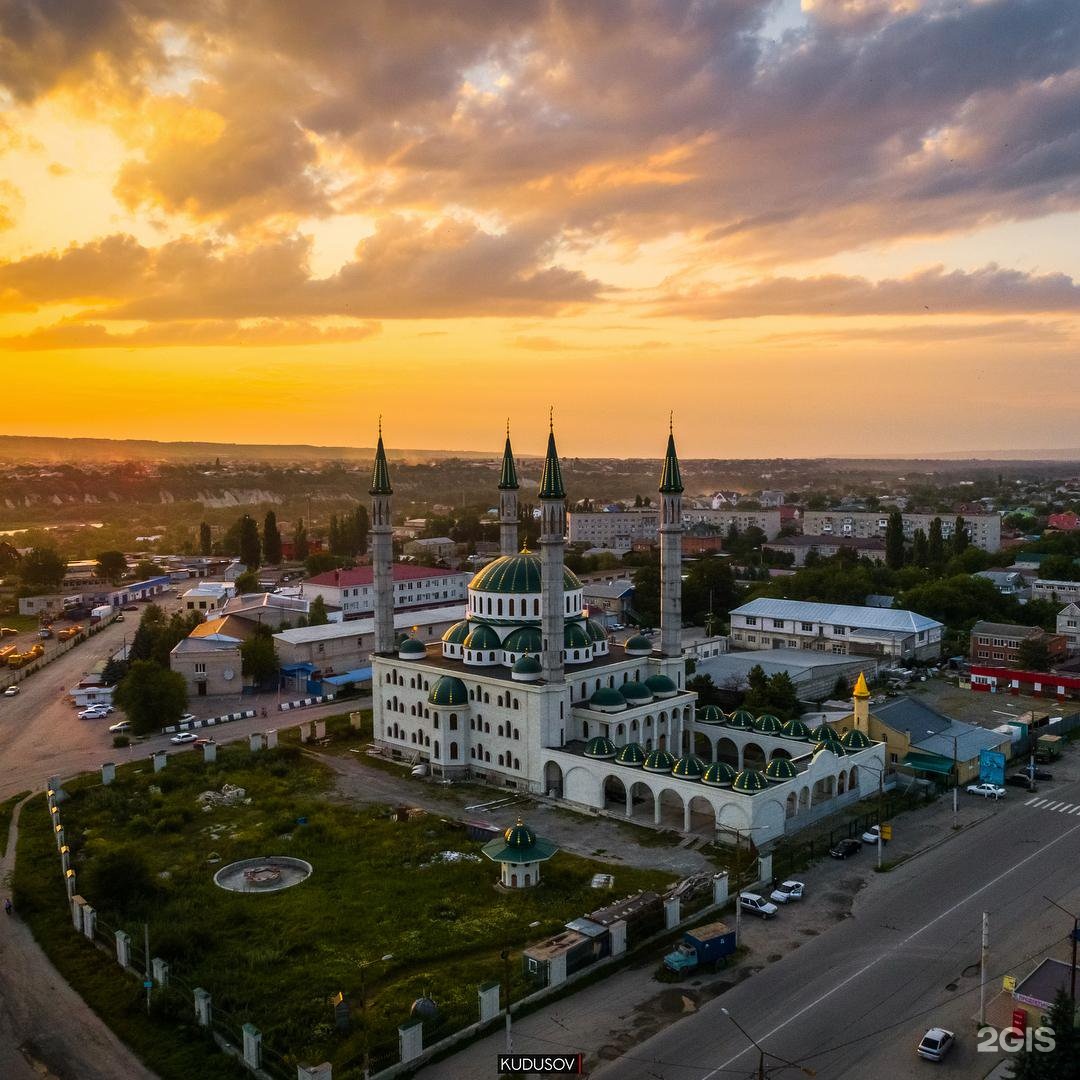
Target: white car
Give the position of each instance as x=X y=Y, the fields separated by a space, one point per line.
x=11 y=691
x=120 y=728
x=787 y=891
x=936 y=1043
x=183 y=737
x=757 y=905
x=188 y=717
x=95 y=712
x=987 y=791
x=872 y=834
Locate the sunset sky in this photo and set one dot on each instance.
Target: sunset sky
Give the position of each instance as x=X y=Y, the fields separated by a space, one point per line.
x=835 y=227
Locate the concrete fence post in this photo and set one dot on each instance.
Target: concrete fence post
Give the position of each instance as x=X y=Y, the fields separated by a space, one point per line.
x=209 y=752
x=410 y=1040
x=76 y=912
x=255 y=741
x=252 y=1047
x=488 y=996
x=203 y=1008
x=89 y=921
x=320 y=729
x=123 y=949
x=672 y=908
x=305 y=731
x=159 y=758
x=271 y=739
x=108 y=772
x=65 y=859
x=325 y=1071
x=765 y=867
x=617 y=932
x=59 y=830
x=69 y=878
x=720 y=888
x=160 y=971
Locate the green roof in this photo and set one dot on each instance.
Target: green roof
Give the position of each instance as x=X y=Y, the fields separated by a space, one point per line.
x=795 y=729
x=854 y=739
x=412 y=647
x=448 y=690
x=768 y=724
x=519 y=573
x=575 y=636
x=719 y=774
x=636 y=691
x=551 y=485
x=482 y=637
x=380 y=476
x=749 y=781
x=519 y=844
x=660 y=761
x=671 y=479
x=527 y=665
x=523 y=639
x=711 y=714
x=781 y=768
x=661 y=684
x=600 y=747
x=832 y=744
x=608 y=698
x=690 y=767
x=741 y=718
x=508 y=480
x=632 y=754
x=596 y=631
x=639 y=643
x=822 y=731
x=457 y=633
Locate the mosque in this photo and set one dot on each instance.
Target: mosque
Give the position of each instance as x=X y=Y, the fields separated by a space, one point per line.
x=527 y=693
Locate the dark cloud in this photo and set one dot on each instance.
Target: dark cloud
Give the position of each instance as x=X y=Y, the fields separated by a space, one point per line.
x=935 y=291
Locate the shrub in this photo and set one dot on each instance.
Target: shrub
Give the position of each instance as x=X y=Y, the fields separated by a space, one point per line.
x=120 y=741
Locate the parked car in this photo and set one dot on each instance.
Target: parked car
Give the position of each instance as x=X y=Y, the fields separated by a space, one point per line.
x=935 y=1044
x=188 y=717
x=787 y=891
x=849 y=846
x=44 y=633
x=120 y=727
x=1019 y=779
x=205 y=741
x=96 y=712
x=184 y=737
x=11 y=691
x=757 y=905
x=130 y=607
x=119 y=618
x=871 y=835
x=987 y=791
x=7 y=631
x=1042 y=774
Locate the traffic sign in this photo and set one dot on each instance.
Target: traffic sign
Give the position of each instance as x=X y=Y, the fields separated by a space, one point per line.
x=148 y=984
x=886 y=832
x=1009 y=983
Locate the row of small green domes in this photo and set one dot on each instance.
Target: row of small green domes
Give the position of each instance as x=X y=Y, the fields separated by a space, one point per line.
x=476 y=635
x=634 y=692
x=744 y=720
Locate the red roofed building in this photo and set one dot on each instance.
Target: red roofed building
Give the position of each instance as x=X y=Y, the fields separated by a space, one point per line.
x=353 y=591
x=1067 y=522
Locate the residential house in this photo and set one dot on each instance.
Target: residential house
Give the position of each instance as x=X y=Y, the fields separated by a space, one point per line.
x=998 y=644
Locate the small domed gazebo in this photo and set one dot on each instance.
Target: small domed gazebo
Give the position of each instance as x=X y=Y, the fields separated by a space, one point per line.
x=520 y=852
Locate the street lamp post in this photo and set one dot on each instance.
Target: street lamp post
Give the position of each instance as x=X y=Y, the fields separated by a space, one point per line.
x=363 y=965
x=880 y=810
x=955 y=776
x=762 y=1053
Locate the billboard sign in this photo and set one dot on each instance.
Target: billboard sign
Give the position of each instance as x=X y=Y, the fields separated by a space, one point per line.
x=992 y=767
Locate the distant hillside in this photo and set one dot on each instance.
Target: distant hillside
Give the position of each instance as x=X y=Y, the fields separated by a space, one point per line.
x=26 y=449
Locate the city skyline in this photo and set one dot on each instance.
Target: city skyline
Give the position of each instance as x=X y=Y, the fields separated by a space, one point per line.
x=828 y=229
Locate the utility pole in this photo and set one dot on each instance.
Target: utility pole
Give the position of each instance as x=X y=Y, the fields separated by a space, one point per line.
x=147 y=981
x=956 y=783
x=984 y=955
x=506 y=977
x=1075 y=936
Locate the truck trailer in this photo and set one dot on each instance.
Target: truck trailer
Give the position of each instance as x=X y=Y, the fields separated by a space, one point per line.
x=707 y=945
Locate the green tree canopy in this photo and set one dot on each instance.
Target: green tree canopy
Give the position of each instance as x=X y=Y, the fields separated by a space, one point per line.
x=247 y=582
x=894 y=541
x=318 y=562
x=1033 y=654
x=147 y=568
x=300 y=541
x=250 y=544
x=259 y=660
x=317 y=614
x=206 y=540
x=151 y=696
x=112 y=566
x=1058 y=1062
x=42 y=569
x=271 y=539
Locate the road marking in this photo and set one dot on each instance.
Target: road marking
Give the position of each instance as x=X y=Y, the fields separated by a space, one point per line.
x=1066 y=808
x=911 y=937
x=1053 y=806
x=1030 y=801
x=1035 y=802
x=1076 y=811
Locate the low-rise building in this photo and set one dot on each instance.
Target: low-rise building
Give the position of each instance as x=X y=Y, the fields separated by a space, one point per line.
x=1059 y=592
x=998 y=644
x=353 y=591
x=1068 y=626
x=432 y=547
x=768 y=521
x=1066 y=522
x=1007 y=582
x=209 y=657
x=614 y=599
x=984 y=530
x=841 y=629
x=208 y=595
x=1002 y=680
x=616 y=530
x=826 y=547
x=270 y=609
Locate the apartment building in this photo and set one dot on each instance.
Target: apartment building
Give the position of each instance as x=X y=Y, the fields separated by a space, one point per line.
x=1060 y=592
x=984 y=530
x=613 y=529
x=768 y=521
x=1068 y=626
x=353 y=591
x=999 y=643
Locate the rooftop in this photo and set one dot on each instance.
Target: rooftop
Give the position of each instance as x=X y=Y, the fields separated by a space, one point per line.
x=365 y=575
x=932 y=732
x=1043 y=984
x=1007 y=629
x=403 y=620
x=841 y=614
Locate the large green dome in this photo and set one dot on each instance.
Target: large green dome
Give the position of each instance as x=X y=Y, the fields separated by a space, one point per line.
x=575 y=636
x=596 y=631
x=638 y=645
x=741 y=718
x=711 y=714
x=448 y=690
x=690 y=767
x=795 y=729
x=516 y=574
x=635 y=692
x=661 y=685
x=768 y=724
x=781 y=768
x=600 y=747
x=523 y=639
x=607 y=698
x=527 y=665
x=457 y=633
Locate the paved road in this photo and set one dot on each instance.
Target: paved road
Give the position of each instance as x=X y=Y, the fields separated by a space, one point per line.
x=853 y=1001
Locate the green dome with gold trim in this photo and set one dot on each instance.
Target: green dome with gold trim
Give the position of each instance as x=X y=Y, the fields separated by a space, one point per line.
x=742 y=719
x=749 y=782
x=780 y=769
x=527 y=665
x=767 y=724
x=659 y=761
x=854 y=739
x=482 y=636
x=457 y=633
x=719 y=774
x=600 y=747
x=631 y=755
x=607 y=698
x=448 y=690
x=596 y=631
x=690 y=767
x=795 y=729
x=661 y=685
x=711 y=714
x=411 y=647
x=575 y=636
x=833 y=744
x=823 y=731
x=523 y=639
x=638 y=645
x=516 y=574
x=636 y=693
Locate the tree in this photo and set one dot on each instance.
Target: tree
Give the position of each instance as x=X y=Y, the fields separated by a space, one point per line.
x=707 y=691
x=1033 y=654
x=333 y=539
x=147 y=568
x=935 y=551
x=920 y=551
x=259 y=660
x=250 y=544
x=960 y=538
x=637 y=502
x=206 y=540
x=247 y=582
x=271 y=539
x=120 y=881
x=114 y=671
x=894 y=541
x=317 y=615
x=1056 y=1063
x=318 y=562
x=300 y=541
x=42 y=570
x=647 y=595
x=150 y=625
x=9 y=556
x=841 y=689
x=112 y=566
x=152 y=696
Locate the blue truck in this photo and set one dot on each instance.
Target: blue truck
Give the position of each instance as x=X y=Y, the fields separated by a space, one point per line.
x=707 y=945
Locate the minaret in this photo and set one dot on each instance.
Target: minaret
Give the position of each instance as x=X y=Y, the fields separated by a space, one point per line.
x=552 y=540
x=508 y=507
x=671 y=489
x=382 y=551
x=860 y=698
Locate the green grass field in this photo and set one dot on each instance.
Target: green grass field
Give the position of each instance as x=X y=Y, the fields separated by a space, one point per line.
x=142 y=849
x=7 y=808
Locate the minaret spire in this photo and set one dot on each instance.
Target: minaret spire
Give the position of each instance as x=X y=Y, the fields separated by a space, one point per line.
x=508 y=505
x=382 y=549
x=671 y=488
x=552 y=543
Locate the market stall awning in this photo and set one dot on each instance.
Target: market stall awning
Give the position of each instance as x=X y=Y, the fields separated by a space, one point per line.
x=927 y=763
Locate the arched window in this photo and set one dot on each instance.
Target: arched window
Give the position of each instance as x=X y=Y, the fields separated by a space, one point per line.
x=427 y=740
x=500 y=731
x=471 y=693
x=619 y=730
x=517 y=763
x=584 y=729
x=453 y=721
x=517 y=734
x=487 y=728
x=536 y=607
x=498 y=606
x=487 y=698
x=453 y=751
x=517 y=704
x=472 y=724
x=500 y=759
x=436 y=748
x=491 y=657
x=510 y=606
x=435 y=722
x=472 y=751
x=499 y=701
x=487 y=755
